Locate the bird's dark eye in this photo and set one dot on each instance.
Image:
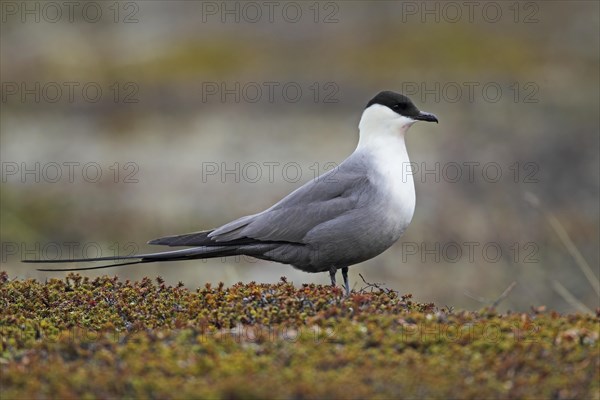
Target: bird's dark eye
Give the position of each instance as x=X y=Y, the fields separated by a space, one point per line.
x=399 y=106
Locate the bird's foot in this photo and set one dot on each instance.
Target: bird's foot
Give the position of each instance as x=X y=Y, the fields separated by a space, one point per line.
x=346 y=284
x=332 y=272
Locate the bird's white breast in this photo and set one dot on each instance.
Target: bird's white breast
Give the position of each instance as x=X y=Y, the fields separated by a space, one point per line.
x=392 y=173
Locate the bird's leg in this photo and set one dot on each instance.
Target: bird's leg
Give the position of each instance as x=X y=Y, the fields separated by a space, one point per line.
x=345 y=276
x=332 y=272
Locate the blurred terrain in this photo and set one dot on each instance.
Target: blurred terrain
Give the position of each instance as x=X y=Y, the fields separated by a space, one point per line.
x=157 y=118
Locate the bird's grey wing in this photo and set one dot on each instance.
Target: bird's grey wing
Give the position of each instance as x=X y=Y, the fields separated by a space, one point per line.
x=319 y=201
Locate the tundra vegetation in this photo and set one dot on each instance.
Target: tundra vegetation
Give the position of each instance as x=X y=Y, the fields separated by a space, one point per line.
x=108 y=338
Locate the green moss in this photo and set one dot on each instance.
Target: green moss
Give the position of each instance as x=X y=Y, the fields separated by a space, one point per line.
x=106 y=338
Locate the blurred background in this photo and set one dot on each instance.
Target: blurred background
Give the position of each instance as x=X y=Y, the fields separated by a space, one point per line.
x=123 y=122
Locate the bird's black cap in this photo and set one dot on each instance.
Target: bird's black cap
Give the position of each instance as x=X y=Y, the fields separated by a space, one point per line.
x=402 y=105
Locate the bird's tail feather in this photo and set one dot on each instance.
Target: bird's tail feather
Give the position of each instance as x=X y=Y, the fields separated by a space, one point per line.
x=173 y=255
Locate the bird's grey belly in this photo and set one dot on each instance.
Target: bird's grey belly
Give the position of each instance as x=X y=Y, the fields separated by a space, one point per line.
x=356 y=237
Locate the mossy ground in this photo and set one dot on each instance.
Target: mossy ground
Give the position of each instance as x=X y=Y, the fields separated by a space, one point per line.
x=106 y=338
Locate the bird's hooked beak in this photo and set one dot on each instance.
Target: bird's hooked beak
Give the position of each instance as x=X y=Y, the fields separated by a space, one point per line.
x=424 y=116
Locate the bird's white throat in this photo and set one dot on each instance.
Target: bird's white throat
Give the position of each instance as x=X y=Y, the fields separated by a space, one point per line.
x=382 y=140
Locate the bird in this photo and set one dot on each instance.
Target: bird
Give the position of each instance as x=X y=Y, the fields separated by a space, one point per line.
x=347 y=215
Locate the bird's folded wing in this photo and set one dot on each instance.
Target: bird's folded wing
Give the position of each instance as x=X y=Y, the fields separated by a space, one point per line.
x=318 y=201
